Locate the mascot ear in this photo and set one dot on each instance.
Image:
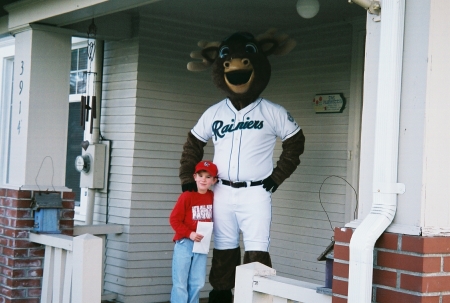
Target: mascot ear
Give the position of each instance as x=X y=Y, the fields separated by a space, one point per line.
x=207 y=58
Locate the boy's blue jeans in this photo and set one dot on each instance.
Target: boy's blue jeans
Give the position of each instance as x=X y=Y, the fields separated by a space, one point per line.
x=188 y=273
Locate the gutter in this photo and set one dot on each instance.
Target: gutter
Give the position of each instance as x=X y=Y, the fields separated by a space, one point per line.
x=385 y=184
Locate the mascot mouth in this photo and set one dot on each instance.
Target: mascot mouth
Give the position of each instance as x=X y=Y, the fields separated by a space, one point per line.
x=239 y=77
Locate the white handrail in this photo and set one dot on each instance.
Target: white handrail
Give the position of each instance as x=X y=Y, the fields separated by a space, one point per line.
x=57 y=240
x=257 y=283
x=72 y=268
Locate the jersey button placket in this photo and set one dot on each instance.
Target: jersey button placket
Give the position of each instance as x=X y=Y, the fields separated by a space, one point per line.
x=235 y=151
x=234 y=157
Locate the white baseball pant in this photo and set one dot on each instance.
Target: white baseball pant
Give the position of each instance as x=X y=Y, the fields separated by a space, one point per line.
x=246 y=209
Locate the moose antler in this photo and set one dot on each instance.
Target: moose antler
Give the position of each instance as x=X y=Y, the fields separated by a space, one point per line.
x=196 y=66
x=285 y=44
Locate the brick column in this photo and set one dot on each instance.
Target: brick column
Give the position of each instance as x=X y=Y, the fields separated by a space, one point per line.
x=21 y=261
x=407 y=269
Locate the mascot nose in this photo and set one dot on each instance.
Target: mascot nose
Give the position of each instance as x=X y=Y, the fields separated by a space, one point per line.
x=237 y=63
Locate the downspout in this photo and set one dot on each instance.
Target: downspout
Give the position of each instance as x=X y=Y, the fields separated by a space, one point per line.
x=95 y=138
x=385 y=184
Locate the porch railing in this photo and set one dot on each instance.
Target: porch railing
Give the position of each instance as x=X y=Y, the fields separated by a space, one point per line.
x=257 y=283
x=73 y=266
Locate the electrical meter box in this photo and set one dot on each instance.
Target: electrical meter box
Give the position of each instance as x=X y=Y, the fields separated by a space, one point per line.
x=91 y=165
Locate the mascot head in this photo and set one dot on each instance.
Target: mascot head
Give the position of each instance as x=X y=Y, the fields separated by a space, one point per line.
x=240 y=66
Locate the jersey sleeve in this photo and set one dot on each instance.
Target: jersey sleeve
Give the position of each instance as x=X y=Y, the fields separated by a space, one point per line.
x=177 y=217
x=202 y=130
x=286 y=125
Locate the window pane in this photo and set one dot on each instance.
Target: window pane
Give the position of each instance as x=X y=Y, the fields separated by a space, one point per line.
x=79 y=65
x=73 y=83
x=83 y=60
x=73 y=60
x=81 y=83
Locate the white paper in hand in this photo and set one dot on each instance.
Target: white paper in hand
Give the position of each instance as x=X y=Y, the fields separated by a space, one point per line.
x=205 y=229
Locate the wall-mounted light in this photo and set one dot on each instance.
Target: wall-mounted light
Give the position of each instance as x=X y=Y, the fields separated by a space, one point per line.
x=308 y=8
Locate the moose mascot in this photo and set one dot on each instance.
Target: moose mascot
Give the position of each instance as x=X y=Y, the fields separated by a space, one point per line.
x=243 y=128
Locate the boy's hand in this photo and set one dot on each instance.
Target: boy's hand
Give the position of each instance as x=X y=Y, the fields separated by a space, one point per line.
x=195 y=237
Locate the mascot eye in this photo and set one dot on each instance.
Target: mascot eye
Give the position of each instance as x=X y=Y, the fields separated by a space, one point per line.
x=251 y=48
x=224 y=51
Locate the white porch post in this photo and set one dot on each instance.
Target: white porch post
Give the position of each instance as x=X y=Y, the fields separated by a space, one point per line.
x=243 y=290
x=87 y=269
x=435 y=208
x=40 y=108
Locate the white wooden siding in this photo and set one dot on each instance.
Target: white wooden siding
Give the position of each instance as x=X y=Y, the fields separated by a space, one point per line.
x=117 y=125
x=162 y=123
x=151 y=102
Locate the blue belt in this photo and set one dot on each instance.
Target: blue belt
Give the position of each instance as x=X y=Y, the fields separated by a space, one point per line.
x=240 y=184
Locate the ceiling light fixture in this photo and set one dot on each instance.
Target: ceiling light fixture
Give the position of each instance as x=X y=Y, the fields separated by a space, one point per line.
x=308 y=8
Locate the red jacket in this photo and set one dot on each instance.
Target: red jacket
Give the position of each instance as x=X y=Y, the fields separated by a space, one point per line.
x=190 y=208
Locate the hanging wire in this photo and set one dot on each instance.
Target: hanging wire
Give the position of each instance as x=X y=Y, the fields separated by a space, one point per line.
x=320 y=199
x=53 y=173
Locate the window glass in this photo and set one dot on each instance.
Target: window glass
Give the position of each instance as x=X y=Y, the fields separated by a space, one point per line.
x=83 y=58
x=7 y=50
x=74 y=60
x=74 y=138
x=6 y=99
x=78 y=69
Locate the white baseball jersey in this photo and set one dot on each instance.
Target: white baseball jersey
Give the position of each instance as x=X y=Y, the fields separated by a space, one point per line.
x=244 y=140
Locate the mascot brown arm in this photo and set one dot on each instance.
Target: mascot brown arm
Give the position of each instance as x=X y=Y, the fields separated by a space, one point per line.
x=192 y=154
x=288 y=162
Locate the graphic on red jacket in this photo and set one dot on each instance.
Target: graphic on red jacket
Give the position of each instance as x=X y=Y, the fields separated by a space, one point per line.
x=202 y=212
x=190 y=208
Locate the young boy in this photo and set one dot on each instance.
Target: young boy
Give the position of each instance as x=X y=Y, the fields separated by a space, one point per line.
x=189 y=268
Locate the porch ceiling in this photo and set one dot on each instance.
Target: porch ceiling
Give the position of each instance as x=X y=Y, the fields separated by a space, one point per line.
x=254 y=15
x=249 y=15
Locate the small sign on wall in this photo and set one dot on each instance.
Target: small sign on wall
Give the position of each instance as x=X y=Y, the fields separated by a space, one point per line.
x=328 y=103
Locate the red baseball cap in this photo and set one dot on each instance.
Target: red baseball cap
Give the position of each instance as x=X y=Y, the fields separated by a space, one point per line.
x=207 y=166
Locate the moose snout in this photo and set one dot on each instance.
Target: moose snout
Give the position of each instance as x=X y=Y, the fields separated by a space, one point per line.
x=237 y=63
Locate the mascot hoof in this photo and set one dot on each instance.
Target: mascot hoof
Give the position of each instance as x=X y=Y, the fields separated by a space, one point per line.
x=220 y=296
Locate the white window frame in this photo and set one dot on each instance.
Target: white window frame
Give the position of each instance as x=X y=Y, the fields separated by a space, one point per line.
x=7 y=50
